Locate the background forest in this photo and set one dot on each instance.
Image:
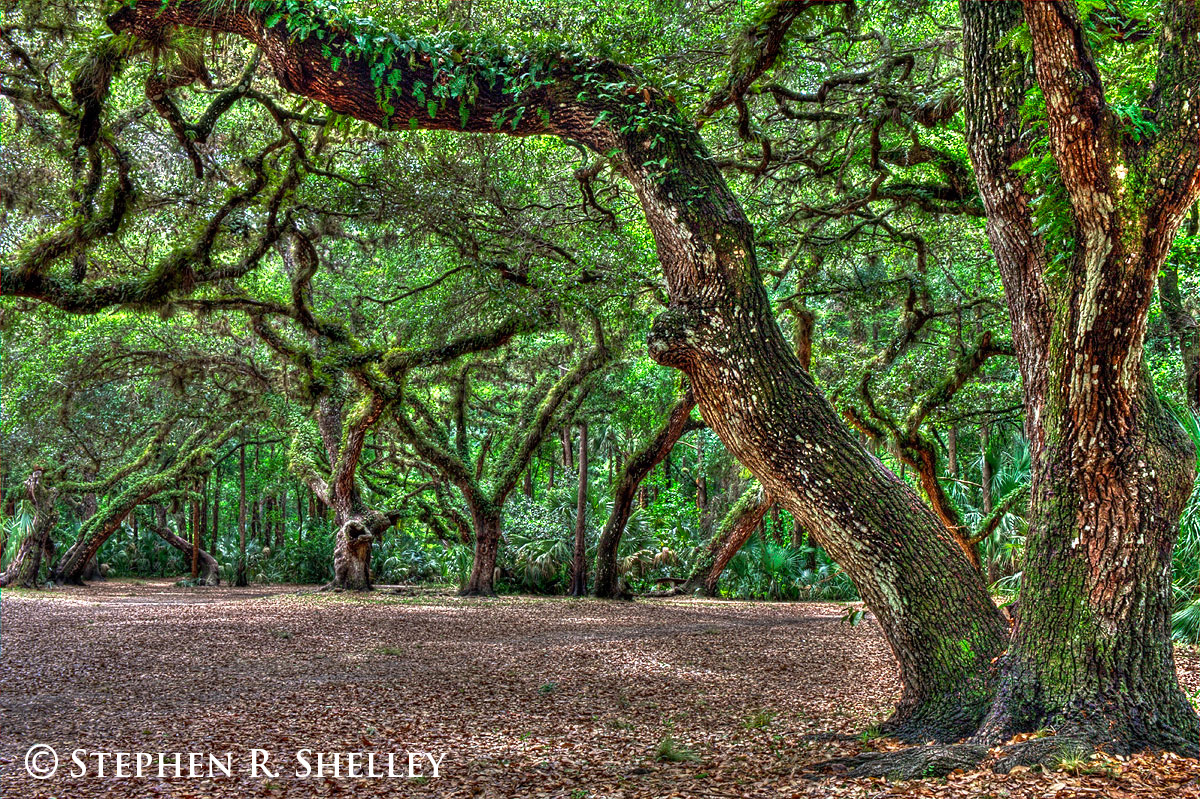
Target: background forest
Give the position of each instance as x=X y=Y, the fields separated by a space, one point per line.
x=431 y=335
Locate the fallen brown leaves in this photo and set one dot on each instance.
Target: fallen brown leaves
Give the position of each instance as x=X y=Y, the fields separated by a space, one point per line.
x=526 y=697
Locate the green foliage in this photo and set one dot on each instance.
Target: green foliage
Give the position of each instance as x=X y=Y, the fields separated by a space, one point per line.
x=1185 y=622
x=768 y=570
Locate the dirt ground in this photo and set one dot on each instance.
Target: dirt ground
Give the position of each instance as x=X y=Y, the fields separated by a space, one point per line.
x=518 y=696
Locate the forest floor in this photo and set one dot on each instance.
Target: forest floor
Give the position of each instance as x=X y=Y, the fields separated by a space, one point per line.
x=529 y=697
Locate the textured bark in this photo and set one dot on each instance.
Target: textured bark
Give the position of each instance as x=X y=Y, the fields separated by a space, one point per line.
x=735 y=530
x=358 y=525
x=719 y=329
x=487 y=547
x=23 y=570
x=1091 y=655
x=358 y=528
x=579 y=561
x=608 y=578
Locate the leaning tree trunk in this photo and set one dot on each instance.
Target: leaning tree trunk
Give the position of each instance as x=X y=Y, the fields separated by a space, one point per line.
x=72 y=566
x=719 y=328
x=209 y=572
x=735 y=530
x=1091 y=656
x=608 y=582
x=78 y=563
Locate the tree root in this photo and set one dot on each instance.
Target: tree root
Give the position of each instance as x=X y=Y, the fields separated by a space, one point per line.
x=1046 y=752
x=938 y=760
x=919 y=762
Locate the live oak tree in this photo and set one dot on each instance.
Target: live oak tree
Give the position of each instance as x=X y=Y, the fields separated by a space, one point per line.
x=719 y=328
x=188 y=457
x=485 y=483
x=1083 y=202
x=863 y=131
x=351 y=387
x=36 y=546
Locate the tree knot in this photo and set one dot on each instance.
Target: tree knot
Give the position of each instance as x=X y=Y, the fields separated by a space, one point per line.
x=682 y=333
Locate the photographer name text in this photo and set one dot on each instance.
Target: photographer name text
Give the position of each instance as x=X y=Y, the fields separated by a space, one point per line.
x=43 y=762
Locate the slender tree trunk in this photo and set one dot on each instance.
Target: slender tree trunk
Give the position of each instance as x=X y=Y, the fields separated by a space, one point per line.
x=568 y=453
x=952 y=450
x=735 y=530
x=203 y=533
x=241 y=563
x=195 y=553
x=216 y=510
x=579 y=562
x=281 y=524
x=1181 y=321
x=985 y=467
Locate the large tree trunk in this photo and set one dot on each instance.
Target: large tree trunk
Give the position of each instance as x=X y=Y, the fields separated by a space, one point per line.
x=352 y=553
x=1091 y=656
x=735 y=530
x=579 y=561
x=487 y=548
x=358 y=526
x=719 y=329
x=608 y=583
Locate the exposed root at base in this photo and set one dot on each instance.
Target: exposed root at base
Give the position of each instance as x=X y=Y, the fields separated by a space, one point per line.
x=919 y=762
x=938 y=760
